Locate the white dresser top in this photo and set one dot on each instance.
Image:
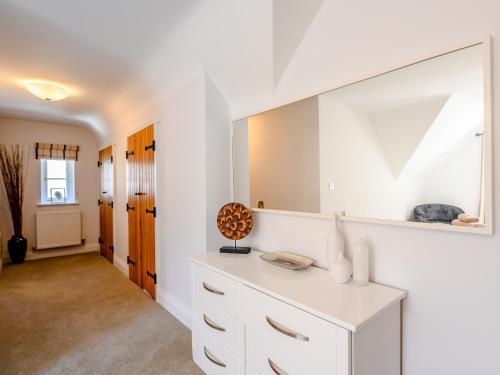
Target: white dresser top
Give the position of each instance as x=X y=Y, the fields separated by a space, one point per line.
x=311 y=289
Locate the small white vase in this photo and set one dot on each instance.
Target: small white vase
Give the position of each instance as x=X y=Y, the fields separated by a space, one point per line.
x=360 y=262
x=334 y=243
x=341 y=269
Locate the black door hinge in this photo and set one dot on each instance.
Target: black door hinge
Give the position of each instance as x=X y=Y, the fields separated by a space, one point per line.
x=111 y=159
x=130 y=208
x=129 y=153
x=112 y=248
x=101 y=241
x=153 y=211
x=130 y=261
x=152 y=147
x=152 y=275
x=99 y=202
x=110 y=204
x=98 y=163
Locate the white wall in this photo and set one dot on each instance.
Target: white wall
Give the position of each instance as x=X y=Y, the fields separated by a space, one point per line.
x=352 y=157
x=193 y=182
x=284 y=157
x=450 y=318
x=16 y=131
x=181 y=228
x=456 y=177
x=218 y=162
x=240 y=162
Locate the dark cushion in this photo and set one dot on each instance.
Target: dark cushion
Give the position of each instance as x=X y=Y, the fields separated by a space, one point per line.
x=436 y=213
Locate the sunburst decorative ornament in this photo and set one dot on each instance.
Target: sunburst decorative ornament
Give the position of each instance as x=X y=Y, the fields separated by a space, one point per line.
x=235 y=222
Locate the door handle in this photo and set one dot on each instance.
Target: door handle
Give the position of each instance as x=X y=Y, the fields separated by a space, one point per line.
x=152 y=275
x=140 y=193
x=153 y=211
x=152 y=146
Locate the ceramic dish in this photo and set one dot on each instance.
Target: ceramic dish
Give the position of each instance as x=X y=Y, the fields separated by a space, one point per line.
x=287 y=260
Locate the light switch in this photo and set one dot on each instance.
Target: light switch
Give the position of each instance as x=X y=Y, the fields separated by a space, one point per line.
x=331 y=186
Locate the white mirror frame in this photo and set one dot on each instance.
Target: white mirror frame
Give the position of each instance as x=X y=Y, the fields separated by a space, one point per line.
x=486 y=192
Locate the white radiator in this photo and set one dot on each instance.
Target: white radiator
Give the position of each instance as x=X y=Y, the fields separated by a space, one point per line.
x=58 y=229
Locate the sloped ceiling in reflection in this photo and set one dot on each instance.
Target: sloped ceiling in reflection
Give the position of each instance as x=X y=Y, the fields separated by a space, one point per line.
x=401 y=126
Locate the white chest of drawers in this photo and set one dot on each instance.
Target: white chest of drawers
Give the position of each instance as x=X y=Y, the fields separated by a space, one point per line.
x=250 y=317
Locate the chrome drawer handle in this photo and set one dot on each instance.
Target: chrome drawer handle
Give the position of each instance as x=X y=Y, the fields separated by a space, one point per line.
x=275 y=368
x=212 y=290
x=212 y=324
x=286 y=331
x=211 y=358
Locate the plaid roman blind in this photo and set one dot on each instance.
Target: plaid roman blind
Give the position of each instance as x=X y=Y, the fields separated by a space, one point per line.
x=56 y=151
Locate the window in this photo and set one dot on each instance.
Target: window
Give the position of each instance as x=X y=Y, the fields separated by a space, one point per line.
x=58 y=181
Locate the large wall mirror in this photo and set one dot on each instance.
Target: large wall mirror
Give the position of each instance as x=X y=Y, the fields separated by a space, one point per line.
x=411 y=146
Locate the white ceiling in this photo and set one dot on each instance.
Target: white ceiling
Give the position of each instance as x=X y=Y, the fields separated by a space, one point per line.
x=123 y=55
x=95 y=47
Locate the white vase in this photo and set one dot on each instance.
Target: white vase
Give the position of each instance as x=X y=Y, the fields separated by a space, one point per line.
x=341 y=269
x=361 y=262
x=334 y=243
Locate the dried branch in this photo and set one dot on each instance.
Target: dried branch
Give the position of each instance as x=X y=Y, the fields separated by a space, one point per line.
x=12 y=171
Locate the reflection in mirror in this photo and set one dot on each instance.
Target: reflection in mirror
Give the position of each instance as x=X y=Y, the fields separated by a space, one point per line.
x=405 y=145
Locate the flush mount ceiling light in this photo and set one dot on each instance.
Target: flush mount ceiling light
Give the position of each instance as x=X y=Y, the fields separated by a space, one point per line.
x=46 y=90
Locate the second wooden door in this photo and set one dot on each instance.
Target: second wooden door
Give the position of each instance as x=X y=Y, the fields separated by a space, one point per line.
x=141 y=209
x=105 y=202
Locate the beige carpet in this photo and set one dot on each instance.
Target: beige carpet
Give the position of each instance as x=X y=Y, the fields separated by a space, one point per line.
x=79 y=315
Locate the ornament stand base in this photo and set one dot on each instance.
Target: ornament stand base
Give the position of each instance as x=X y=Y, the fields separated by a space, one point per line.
x=235 y=249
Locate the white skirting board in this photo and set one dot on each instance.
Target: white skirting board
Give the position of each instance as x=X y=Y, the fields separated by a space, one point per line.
x=121 y=265
x=174 y=307
x=89 y=248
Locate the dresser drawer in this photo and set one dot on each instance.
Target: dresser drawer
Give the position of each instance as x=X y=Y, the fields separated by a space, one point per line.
x=293 y=334
x=266 y=358
x=212 y=358
x=227 y=330
x=212 y=289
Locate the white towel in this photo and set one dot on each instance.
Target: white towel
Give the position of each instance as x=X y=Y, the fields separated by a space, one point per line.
x=468 y=218
x=464 y=224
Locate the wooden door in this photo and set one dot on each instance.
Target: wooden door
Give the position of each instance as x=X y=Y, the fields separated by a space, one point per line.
x=148 y=211
x=141 y=209
x=105 y=202
x=133 y=209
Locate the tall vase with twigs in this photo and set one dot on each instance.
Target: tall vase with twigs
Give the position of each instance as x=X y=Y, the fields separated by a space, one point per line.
x=13 y=171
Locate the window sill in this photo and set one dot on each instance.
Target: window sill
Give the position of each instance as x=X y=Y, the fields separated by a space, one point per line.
x=57 y=204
